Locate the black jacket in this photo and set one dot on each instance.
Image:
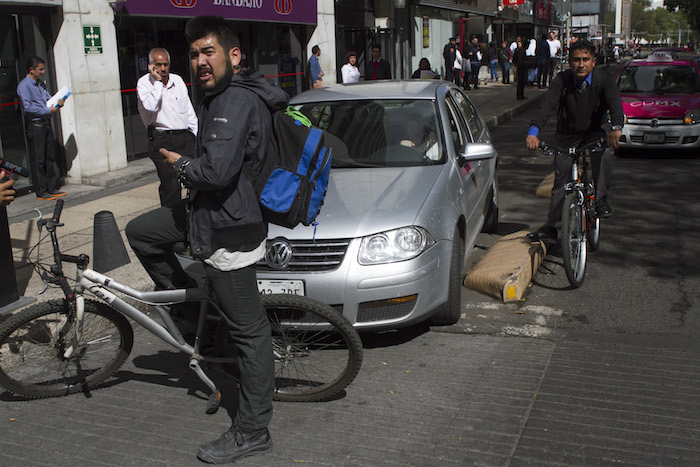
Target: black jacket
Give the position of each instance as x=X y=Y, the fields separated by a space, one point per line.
x=234 y=125
x=383 y=70
x=580 y=115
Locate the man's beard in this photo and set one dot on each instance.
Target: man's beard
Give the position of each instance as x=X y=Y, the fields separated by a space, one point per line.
x=226 y=79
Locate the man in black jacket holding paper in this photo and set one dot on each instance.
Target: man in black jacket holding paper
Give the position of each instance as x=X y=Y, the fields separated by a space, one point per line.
x=583 y=98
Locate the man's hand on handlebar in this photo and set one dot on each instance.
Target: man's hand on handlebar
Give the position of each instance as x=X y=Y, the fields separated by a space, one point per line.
x=532 y=142
x=613 y=139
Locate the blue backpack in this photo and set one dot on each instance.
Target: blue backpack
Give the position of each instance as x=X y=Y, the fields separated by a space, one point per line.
x=292 y=182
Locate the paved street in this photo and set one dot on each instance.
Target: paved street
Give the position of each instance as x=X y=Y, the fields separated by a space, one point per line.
x=606 y=374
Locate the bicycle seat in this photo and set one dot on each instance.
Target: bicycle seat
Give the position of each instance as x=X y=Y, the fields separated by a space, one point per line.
x=193 y=267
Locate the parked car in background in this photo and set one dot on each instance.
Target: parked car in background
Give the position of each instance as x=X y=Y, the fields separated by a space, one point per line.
x=413 y=183
x=661 y=99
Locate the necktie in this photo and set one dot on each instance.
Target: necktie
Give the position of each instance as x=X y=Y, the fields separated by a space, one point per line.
x=582 y=86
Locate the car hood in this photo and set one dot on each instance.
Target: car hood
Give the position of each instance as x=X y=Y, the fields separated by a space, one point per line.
x=365 y=201
x=659 y=106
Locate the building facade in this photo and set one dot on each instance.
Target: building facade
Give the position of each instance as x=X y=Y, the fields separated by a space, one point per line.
x=99 y=48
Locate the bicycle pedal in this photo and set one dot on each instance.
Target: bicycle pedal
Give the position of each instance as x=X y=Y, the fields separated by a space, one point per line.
x=213 y=402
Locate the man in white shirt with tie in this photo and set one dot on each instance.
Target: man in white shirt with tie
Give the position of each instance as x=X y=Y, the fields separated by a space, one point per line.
x=167 y=112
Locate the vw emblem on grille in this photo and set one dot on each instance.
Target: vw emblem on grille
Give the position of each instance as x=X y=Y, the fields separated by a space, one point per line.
x=655 y=123
x=278 y=254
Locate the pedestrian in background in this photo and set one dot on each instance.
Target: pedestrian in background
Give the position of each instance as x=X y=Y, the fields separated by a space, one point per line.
x=542 y=55
x=493 y=61
x=424 y=71
x=520 y=62
x=33 y=94
x=474 y=56
x=315 y=71
x=531 y=58
x=349 y=72
x=166 y=111
x=458 y=67
x=377 y=68
x=449 y=54
x=504 y=59
x=554 y=50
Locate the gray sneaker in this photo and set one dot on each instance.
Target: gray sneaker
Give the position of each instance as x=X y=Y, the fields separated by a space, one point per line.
x=235 y=444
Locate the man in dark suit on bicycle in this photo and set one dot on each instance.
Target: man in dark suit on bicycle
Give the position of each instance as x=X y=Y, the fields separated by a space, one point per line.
x=583 y=98
x=224 y=224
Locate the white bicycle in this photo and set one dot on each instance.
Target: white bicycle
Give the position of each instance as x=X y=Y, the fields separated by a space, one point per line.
x=73 y=344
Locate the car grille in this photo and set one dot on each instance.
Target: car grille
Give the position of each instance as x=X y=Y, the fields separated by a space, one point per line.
x=668 y=140
x=659 y=122
x=307 y=256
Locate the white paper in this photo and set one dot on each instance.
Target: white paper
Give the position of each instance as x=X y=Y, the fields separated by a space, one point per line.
x=62 y=93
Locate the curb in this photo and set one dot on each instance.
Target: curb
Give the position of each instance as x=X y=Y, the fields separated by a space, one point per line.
x=506 y=270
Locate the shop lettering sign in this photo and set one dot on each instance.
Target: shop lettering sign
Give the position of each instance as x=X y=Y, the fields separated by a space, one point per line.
x=276 y=11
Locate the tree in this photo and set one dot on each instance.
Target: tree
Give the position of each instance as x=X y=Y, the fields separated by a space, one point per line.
x=690 y=7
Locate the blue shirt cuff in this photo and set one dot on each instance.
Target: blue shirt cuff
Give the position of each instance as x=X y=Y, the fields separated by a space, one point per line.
x=533 y=131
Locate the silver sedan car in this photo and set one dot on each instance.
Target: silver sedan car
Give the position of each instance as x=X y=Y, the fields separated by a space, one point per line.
x=412 y=184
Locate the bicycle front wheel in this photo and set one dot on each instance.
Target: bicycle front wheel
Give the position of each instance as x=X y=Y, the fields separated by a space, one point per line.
x=33 y=343
x=317 y=351
x=573 y=240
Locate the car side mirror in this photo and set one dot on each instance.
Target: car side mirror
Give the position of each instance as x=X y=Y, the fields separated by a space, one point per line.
x=477 y=152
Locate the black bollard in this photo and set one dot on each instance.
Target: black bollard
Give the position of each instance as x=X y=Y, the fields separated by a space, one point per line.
x=108 y=250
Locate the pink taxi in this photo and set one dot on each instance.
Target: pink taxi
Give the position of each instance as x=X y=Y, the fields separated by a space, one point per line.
x=661 y=99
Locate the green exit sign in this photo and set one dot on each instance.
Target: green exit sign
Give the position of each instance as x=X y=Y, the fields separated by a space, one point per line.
x=93 y=40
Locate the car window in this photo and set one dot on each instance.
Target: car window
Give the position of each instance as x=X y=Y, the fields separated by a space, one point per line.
x=379 y=133
x=459 y=134
x=659 y=79
x=470 y=114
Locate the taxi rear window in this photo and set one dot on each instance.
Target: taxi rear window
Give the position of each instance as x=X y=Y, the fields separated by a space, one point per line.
x=660 y=79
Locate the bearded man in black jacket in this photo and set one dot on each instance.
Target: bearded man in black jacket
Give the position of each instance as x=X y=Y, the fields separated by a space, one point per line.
x=224 y=224
x=583 y=98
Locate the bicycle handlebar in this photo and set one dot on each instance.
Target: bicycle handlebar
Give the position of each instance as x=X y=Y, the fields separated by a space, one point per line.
x=547 y=148
x=57 y=211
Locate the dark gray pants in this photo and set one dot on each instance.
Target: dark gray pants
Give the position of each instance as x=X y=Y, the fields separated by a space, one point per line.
x=602 y=167
x=152 y=236
x=182 y=143
x=42 y=156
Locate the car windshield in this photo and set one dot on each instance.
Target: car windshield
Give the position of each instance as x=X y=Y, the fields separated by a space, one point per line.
x=660 y=79
x=379 y=133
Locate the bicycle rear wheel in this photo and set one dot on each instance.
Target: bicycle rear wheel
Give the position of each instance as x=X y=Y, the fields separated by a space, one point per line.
x=573 y=242
x=592 y=220
x=33 y=342
x=317 y=351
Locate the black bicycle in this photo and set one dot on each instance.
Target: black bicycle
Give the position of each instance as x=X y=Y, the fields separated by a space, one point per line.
x=580 y=226
x=70 y=345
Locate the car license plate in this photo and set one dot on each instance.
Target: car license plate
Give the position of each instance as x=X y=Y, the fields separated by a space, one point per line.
x=271 y=286
x=654 y=137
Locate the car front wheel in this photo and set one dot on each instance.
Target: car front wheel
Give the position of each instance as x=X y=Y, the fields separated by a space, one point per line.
x=451 y=311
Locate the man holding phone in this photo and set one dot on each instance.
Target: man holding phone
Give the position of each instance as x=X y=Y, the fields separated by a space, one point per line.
x=167 y=112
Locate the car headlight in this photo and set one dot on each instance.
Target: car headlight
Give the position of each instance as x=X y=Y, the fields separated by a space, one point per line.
x=692 y=117
x=394 y=245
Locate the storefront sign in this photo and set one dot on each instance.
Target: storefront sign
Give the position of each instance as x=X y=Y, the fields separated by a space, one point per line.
x=93 y=41
x=36 y=2
x=513 y=2
x=277 y=11
x=426 y=32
